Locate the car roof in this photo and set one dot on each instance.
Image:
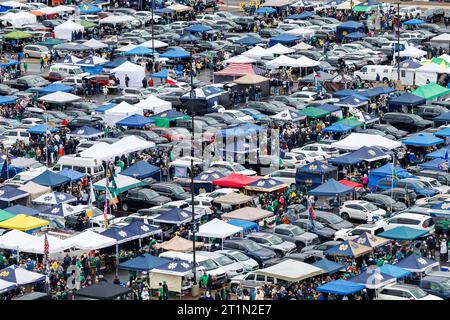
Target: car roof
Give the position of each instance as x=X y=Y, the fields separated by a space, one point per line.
x=412 y=215
x=361 y=202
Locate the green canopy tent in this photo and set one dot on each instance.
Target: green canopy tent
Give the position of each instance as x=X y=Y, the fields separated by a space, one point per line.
x=17 y=35
x=50 y=42
x=5 y=215
x=351 y=122
x=431 y=91
x=314 y=113
x=164 y=118
x=87 y=24
x=363 y=8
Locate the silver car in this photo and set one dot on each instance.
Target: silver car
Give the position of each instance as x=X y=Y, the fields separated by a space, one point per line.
x=273 y=242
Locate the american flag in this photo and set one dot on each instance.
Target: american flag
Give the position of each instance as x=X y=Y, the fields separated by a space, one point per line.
x=46 y=247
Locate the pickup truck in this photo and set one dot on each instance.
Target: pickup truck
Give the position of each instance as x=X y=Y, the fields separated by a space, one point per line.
x=26 y=82
x=295 y=234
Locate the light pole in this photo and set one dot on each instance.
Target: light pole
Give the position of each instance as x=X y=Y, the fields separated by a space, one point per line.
x=398 y=41
x=153 y=33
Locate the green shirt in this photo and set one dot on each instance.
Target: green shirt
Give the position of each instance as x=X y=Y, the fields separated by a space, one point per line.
x=152 y=243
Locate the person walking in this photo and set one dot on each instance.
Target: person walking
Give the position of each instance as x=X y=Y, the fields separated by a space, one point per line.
x=127 y=80
x=165 y=291
x=42 y=63
x=444 y=250
x=105 y=93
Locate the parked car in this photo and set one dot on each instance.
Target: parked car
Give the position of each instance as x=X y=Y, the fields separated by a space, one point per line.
x=401 y=195
x=351 y=234
x=251 y=249
x=433 y=285
x=248 y=263
x=361 y=210
x=329 y=219
x=273 y=242
x=411 y=220
x=295 y=234
x=404 y=292
x=406 y=121
x=324 y=233
x=171 y=190
x=319 y=249
x=385 y=202
x=35 y=51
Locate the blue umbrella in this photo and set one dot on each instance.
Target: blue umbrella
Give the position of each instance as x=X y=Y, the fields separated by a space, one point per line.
x=9 y=193
x=7 y=100
x=87 y=8
x=55 y=87
x=188 y=37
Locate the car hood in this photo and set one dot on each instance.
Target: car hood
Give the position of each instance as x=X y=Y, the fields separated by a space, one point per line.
x=161 y=199
x=264 y=253
x=247 y=172
x=341 y=225
x=307 y=236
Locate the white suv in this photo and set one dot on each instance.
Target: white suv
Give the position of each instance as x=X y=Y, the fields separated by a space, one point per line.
x=361 y=210
x=353 y=233
x=232 y=166
x=323 y=150
x=412 y=220
x=404 y=292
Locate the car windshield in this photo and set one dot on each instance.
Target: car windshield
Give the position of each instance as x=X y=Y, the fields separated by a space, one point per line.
x=418 y=293
x=371 y=207
x=224 y=261
x=275 y=240
x=150 y=193
x=252 y=246
x=332 y=218
x=238 y=167
x=446 y=284
x=435 y=183
x=240 y=256
x=297 y=231
x=208 y=264
x=239 y=113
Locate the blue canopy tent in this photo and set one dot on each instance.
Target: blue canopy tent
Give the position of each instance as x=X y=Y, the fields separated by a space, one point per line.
x=7 y=100
x=139 y=51
x=174 y=216
x=394 y=271
x=348 y=27
x=41 y=129
x=247 y=129
x=367 y=239
x=377 y=91
x=198 y=28
x=203 y=181
x=409 y=64
x=441 y=209
x=340 y=287
x=352 y=101
x=115 y=63
x=344 y=93
x=415 y=263
x=55 y=87
x=414 y=22
x=373 y=279
x=135 y=120
x=443 y=117
x=368 y=118
x=443 y=132
x=407 y=99
x=423 y=140
x=68 y=59
x=175 y=54
x=20 y=276
x=440 y=153
x=337 y=128
x=163 y=74
x=247 y=226
x=145 y=262
x=5 y=8
x=265 y=10
x=403 y=233
x=105 y=107
x=141 y=229
x=348 y=249
x=50 y=179
x=9 y=63
x=60 y=210
x=386 y=171
x=141 y=170
x=266 y=184
x=369 y=154
x=85 y=132
x=248 y=41
x=302 y=16
x=328 y=266
x=284 y=38
x=435 y=164
x=9 y=193
x=87 y=8
x=20 y=209
x=72 y=174
x=120 y=235
x=90 y=65
x=188 y=37
x=331 y=188
x=314 y=174
x=203 y=99
x=355 y=36
x=329 y=107
x=176 y=267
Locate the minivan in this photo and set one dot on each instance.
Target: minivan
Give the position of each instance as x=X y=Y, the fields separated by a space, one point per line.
x=210 y=267
x=70 y=70
x=369 y=73
x=35 y=51
x=89 y=166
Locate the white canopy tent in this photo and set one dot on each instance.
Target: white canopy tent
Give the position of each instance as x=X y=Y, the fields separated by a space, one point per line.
x=217 y=229
x=256 y=53
x=302 y=46
x=65 y=29
x=291 y=270
x=100 y=151
x=135 y=72
x=60 y=97
x=92 y=60
x=301 y=32
x=240 y=59
x=126 y=48
x=122 y=182
x=155 y=104
x=413 y=52
x=442 y=40
x=283 y=61
x=130 y=144
x=55 y=245
x=89 y=240
x=279 y=49
x=428 y=72
x=357 y=140
x=19 y=19
x=306 y=62
x=15 y=239
x=116 y=19
x=153 y=43
x=95 y=44
x=14 y=4
x=121 y=111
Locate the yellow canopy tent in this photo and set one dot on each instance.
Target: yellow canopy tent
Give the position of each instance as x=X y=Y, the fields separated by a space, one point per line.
x=23 y=222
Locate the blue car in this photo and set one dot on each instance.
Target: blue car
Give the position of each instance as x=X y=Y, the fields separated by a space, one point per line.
x=255 y=114
x=415 y=185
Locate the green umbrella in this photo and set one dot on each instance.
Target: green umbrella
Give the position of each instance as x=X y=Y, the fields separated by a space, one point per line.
x=87 y=24
x=17 y=35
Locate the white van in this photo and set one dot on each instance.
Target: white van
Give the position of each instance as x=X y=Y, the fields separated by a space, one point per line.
x=370 y=72
x=208 y=265
x=14 y=135
x=89 y=166
x=70 y=70
x=23 y=177
x=231 y=267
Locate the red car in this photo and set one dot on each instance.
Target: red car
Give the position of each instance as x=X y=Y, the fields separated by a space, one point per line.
x=55 y=76
x=172 y=134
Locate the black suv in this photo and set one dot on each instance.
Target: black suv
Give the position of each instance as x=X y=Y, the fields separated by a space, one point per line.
x=250 y=248
x=171 y=190
x=140 y=198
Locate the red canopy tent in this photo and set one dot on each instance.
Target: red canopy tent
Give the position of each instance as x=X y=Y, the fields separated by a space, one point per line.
x=236 y=70
x=235 y=180
x=351 y=184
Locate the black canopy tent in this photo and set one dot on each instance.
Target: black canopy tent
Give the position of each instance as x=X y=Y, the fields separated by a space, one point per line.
x=102 y=291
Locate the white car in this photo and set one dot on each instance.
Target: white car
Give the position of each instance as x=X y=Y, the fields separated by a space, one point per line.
x=324 y=150
x=305 y=96
x=234 y=167
x=425 y=200
x=435 y=184
x=353 y=233
x=412 y=220
x=31 y=122
x=285 y=175
x=231 y=267
x=239 y=115
x=202 y=203
x=361 y=210
x=218 y=193
x=14 y=135
x=410 y=11
x=404 y=292
x=295 y=159
x=248 y=263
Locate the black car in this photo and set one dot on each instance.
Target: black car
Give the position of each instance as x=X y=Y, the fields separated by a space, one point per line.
x=269 y=33
x=384 y=202
x=324 y=233
x=127 y=99
x=140 y=198
x=6 y=90
x=406 y=121
x=247 y=23
x=83 y=121
x=147 y=135
x=429 y=111
x=251 y=249
x=433 y=15
x=400 y=194
x=264 y=107
x=171 y=190
x=388 y=129
x=223 y=118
